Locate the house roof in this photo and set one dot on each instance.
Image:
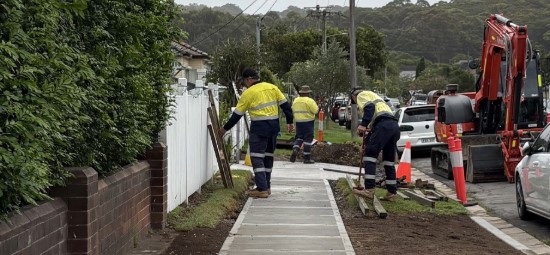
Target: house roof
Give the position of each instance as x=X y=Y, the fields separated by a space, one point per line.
x=187 y=50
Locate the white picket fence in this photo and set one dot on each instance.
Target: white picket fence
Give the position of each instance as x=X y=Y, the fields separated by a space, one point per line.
x=239 y=135
x=191 y=158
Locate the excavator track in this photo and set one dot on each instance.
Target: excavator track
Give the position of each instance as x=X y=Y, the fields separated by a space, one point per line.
x=482 y=159
x=441 y=163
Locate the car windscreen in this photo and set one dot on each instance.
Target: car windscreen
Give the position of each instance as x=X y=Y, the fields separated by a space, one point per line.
x=418 y=114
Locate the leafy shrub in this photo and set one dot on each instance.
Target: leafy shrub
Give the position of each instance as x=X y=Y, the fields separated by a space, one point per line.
x=82 y=83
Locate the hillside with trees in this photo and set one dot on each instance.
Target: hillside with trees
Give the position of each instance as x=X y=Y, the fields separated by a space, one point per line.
x=407 y=35
x=438 y=32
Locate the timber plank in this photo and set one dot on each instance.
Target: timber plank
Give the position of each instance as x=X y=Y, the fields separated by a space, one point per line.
x=380 y=210
x=362 y=203
x=420 y=199
x=219 y=157
x=405 y=197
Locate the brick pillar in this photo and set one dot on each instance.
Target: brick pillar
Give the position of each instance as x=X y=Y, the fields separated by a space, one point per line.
x=158 y=160
x=82 y=199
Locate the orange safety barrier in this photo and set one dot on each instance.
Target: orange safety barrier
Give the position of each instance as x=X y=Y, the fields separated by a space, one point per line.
x=404 y=167
x=320 y=132
x=455 y=149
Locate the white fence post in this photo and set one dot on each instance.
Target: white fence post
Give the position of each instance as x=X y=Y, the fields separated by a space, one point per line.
x=190 y=153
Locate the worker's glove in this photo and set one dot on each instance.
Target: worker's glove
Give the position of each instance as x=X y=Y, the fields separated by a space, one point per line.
x=221 y=131
x=290 y=127
x=362 y=130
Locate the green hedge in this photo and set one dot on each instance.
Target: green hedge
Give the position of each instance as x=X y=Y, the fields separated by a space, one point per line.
x=82 y=83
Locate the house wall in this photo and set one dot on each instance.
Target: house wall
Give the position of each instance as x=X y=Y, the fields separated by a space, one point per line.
x=195 y=66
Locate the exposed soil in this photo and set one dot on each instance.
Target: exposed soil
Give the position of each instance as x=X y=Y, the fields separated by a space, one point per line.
x=201 y=240
x=347 y=154
x=397 y=234
x=417 y=233
x=341 y=154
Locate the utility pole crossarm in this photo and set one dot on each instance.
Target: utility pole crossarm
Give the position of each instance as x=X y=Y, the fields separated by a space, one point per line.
x=323 y=13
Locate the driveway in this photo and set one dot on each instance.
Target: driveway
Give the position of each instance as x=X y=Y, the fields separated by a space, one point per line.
x=498 y=198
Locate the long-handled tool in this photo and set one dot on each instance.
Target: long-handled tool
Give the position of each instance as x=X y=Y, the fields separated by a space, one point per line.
x=359 y=187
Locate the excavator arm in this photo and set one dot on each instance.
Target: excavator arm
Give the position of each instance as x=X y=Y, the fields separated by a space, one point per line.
x=503 y=40
x=491 y=139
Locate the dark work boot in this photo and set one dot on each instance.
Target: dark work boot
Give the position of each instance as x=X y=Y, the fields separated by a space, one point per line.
x=308 y=160
x=293 y=155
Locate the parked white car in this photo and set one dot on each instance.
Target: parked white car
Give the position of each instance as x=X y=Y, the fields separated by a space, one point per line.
x=416 y=124
x=532 y=178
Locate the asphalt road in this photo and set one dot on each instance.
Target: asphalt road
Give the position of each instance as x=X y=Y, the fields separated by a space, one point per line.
x=498 y=198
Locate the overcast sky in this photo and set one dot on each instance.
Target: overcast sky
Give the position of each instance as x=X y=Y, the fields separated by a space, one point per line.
x=281 y=5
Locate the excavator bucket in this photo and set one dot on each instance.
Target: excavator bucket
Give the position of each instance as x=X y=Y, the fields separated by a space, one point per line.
x=485 y=163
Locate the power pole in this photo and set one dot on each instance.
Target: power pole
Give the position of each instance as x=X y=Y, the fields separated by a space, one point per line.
x=385 y=76
x=323 y=14
x=353 y=62
x=258 y=24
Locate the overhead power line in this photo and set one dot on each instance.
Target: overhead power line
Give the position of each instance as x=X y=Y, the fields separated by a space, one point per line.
x=220 y=28
x=265 y=2
x=269 y=9
x=246 y=19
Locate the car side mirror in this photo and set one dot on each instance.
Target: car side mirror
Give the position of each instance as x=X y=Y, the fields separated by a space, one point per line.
x=526 y=150
x=406 y=128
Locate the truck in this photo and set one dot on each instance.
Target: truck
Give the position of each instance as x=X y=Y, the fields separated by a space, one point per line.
x=505 y=111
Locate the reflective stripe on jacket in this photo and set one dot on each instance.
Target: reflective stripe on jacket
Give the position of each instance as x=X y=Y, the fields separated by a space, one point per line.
x=380 y=107
x=304 y=109
x=262 y=102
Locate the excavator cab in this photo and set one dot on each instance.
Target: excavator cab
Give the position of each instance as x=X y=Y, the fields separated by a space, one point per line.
x=532 y=113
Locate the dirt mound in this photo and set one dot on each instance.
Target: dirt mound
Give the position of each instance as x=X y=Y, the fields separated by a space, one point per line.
x=341 y=154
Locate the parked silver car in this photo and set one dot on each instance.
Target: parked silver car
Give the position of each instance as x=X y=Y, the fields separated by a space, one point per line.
x=416 y=124
x=532 y=178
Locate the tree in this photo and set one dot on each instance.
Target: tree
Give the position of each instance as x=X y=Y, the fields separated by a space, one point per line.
x=282 y=49
x=422 y=3
x=420 y=67
x=370 y=48
x=327 y=74
x=230 y=60
x=438 y=76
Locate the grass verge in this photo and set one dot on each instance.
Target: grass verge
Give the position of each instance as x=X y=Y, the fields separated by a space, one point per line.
x=216 y=203
x=401 y=206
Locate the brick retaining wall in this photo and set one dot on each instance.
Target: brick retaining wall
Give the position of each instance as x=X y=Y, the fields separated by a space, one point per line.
x=38 y=229
x=91 y=216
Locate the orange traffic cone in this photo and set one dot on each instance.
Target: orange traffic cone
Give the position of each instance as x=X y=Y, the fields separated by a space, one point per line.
x=404 y=168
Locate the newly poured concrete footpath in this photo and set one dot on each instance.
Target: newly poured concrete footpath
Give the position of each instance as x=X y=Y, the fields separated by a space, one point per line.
x=300 y=217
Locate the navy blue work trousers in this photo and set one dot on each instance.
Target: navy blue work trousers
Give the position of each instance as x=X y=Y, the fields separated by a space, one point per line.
x=261 y=155
x=383 y=137
x=304 y=135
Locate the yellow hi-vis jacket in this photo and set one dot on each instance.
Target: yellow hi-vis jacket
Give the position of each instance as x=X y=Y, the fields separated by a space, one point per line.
x=262 y=102
x=380 y=107
x=304 y=109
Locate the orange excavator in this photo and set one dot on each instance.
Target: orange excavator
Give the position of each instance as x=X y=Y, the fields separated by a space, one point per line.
x=505 y=111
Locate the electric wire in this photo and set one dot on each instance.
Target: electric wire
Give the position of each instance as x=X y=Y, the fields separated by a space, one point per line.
x=246 y=19
x=226 y=24
x=301 y=21
x=269 y=9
